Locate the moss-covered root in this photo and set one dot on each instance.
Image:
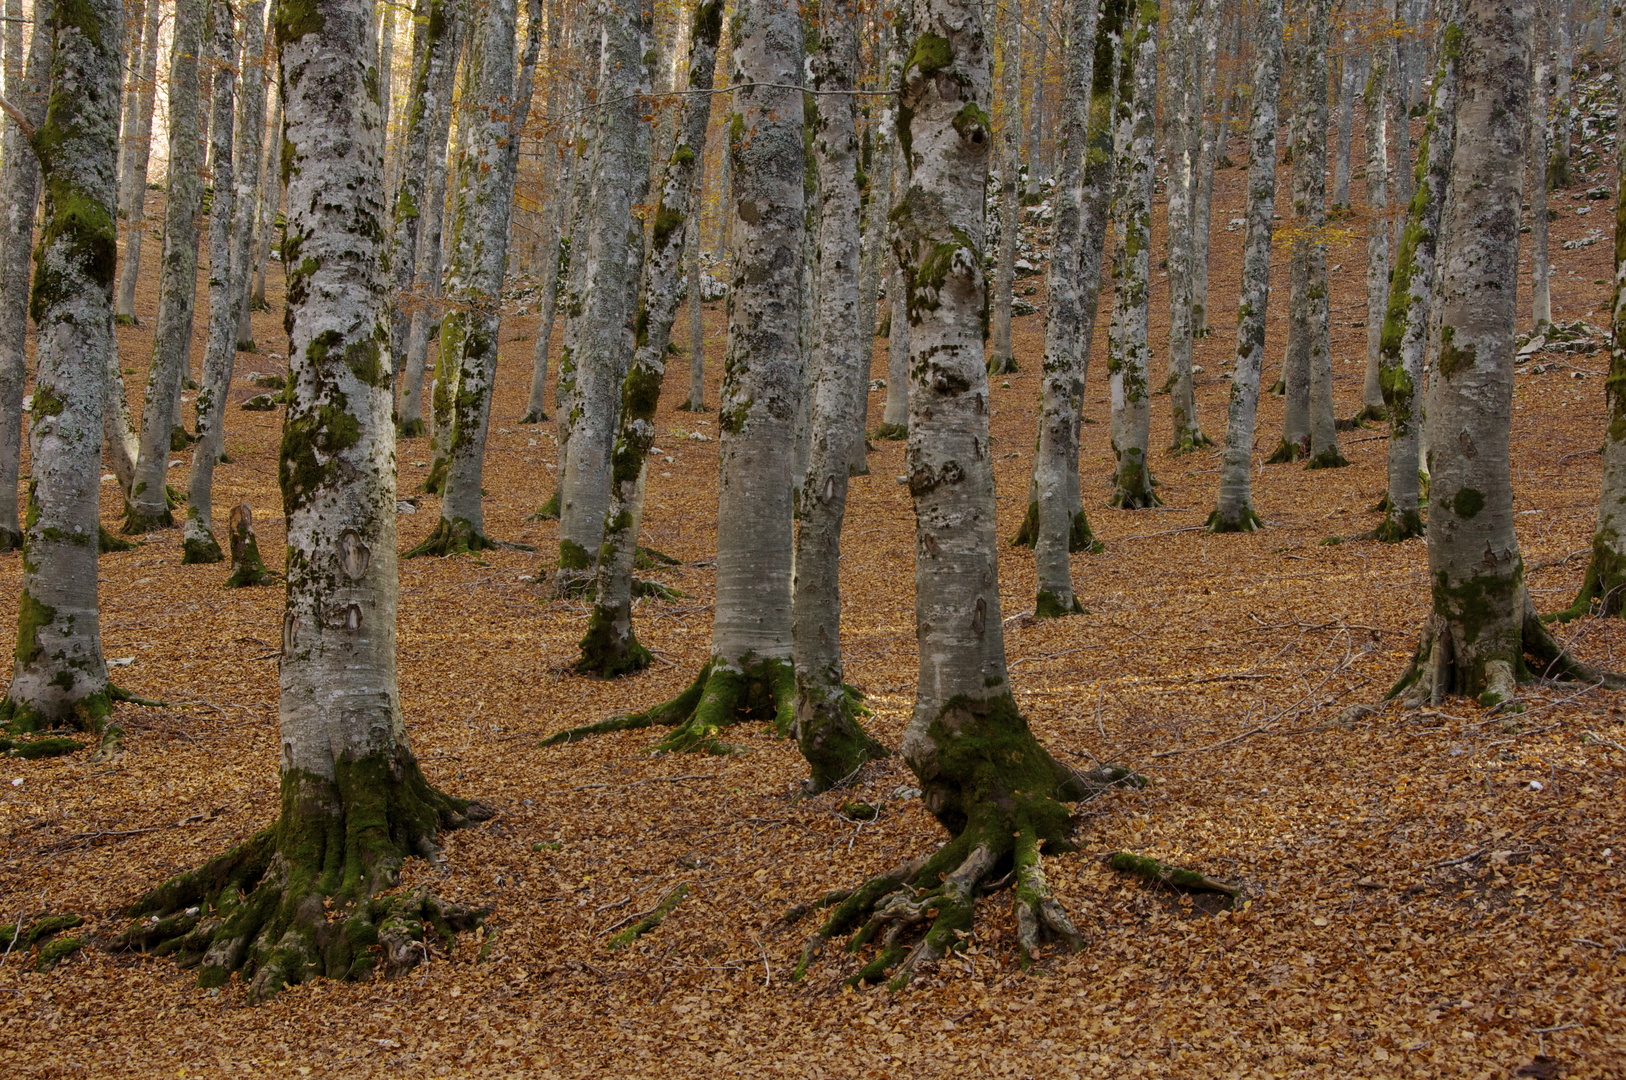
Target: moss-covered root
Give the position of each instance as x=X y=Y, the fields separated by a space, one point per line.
x=533 y=416
x=610 y=648
x=1244 y=521
x=455 y=537
x=833 y=742
x=1603 y=589
x=1173 y=876
x=549 y=510
x=107 y=542
x=136 y=522
x=1397 y=528
x=721 y=696
x=34 y=749
x=892 y=432
x=1329 y=458
x=247 y=568
x=648 y=558
x=651 y=920
x=1050 y=606
x=40 y=929
x=301 y=899
x=1286 y=452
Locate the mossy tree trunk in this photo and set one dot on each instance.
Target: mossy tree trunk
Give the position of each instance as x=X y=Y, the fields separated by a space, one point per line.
x=828 y=733
x=20 y=192
x=60 y=677
x=895 y=414
x=1129 y=352
x=487 y=169
x=1009 y=118
x=1181 y=133
x=1348 y=70
x=198 y=543
x=1483 y=632
x=983 y=775
x=1603 y=588
x=1411 y=300
x=1541 y=294
x=610 y=247
x=1233 y=511
x=1377 y=226
x=610 y=647
x=1055 y=461
x=299 y=899
x=133 y=192
x=1310 y=208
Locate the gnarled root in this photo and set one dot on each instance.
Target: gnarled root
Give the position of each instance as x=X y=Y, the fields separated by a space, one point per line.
x=722 y=695
x=300 y=899
x=455 y=537
x=833 y=742
x=1243 y=521
x=1397 y=527
x=1287 y=451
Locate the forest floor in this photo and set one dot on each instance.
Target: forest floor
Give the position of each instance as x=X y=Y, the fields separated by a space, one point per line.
x=1434 y=893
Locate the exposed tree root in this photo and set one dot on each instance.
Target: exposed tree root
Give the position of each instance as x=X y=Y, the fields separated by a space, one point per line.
x=455 y=537
x=690 y=405
x=1244 y=522
x=1190 y=441
x=106 y=541
x=1603 y=589
x=721 y=696
x=549 y=510
x=300 y=899
x=17 y=938
x=1286 y=452
x=651 y=920
x=1396 y=529
x=892 y=432
x=532 y=416
x=136 y=522
x=1173 y=876
x=1329 y=458
x=833 y=742
x=647 y=558
x=1048 y=606
x=34 y=749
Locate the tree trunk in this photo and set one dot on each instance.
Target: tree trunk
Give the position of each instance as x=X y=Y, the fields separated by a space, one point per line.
x=1541 y=295
x=1055 y=461
x=1295 y=384
x=133 y=193
x=610 y=647
x=1215 y=95
x=1558 y=163
x=59 y=678
x=1129 y=353
x=1182 y=136
x=1033 y=154
x=143 y=18
x=827 y=731
x=1400 y=86
x=1483 y=631
x=1000 y=358
x=983 y=774
x=469 y=329
x=555 y=165
x=251 y=171
x=1377 y=227
x=895 y=416
x=1348 y=71
x=1411 y=301
x=270 y=203
x=1313 y=217
x=1234 y=511
x=355 y=804
x=198 y=543
x=146 y=502
x=1603 y=588
x=608 y=248
x=20 y=193
x=247 y=569
x=696 y=401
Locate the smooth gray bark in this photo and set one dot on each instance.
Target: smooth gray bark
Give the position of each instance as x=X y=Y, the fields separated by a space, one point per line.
x=696 y=401
x=1183 y=136
x=133 y=192
x=1000 y=357
x=265 y=229
x=1541 y=294
x=556 y=180
x=1377 y=228
x=1348 y=72
x=251 y=168
x=1310 y=207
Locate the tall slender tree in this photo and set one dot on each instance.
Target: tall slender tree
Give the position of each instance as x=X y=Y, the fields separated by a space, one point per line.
x=1541 y=294
x=1234 y=510
x=299 y=899
x=1000 y=357
x=1312 y=105
x=1377 y=225
x=1129 y=355
x=133 y=178
x=1182 y=132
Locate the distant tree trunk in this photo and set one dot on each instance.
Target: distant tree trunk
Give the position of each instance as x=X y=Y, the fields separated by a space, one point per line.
x=696 y=401
x=1129 y=355
x=610 y=647
x=1313 y=218
x=749 y=673
x=1000 y=358
x=1400 y=86
x=146 y=503
x=828 y=733
x=270 y=203
x=609 y=247
x=1559 y=174
x=251 y=170
x=386 y=53
x=983 y=774
x=895 y=414
x=1541 y=295
x=1483 y=632
x=20 y=194
x=1215 y=95
x=469 y=329
x=133 y=192
x=355 y=804
x=1377 y=228
x=1411 y=299
x=1348 y=71
x=1033 y=153
x=198 y=543
x=1603 y=587
x=59 y=678
x=1182 y=136
x=143 y=17
x=554 y=169
x=1295 y=384
x=1055 y=460
x=1234 y=510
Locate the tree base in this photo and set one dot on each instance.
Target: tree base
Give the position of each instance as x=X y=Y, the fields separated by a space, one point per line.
x=455 y=537
x=107 y=542
x=410 y=429
x=1049 y=606
x=1239 y=520
x=532 y=416
x=606 y=653
x=549 y=510
x=1603 y=588
x=1007 y=366
x=11 y=539
x=1398 y=528
x=892 y=432
x=1191 y=440
x=198 y=543
x=833 y=742
x=1287 y=451
x=137 y=521
x=1139 y=497
x=720 y=697
x=1028 y=534
x=1329 y=458
x=693 y=406
x=263 y=908
x=435 y=482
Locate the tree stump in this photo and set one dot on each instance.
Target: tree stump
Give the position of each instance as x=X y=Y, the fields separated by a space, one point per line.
x=246 y=567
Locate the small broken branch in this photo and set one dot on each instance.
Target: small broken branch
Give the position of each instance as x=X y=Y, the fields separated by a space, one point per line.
x=652 y=918
x=1174 y=876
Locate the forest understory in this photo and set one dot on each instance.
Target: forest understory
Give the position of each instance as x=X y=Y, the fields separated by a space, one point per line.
x=1424 y=893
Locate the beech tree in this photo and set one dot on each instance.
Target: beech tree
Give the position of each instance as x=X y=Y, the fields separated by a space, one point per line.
x=59 y=677
x=147 y=501
x=1483 y=636
x=299 y=898
x=1183 y=133
x=1009 y=208
x=1234 y=510
x=749 y=674
x=1541 y=296
x=983 y=774
x=1377 y=225
x=1310 y=206
x=137 y=156
x=1129 y=352
x=20 y=191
